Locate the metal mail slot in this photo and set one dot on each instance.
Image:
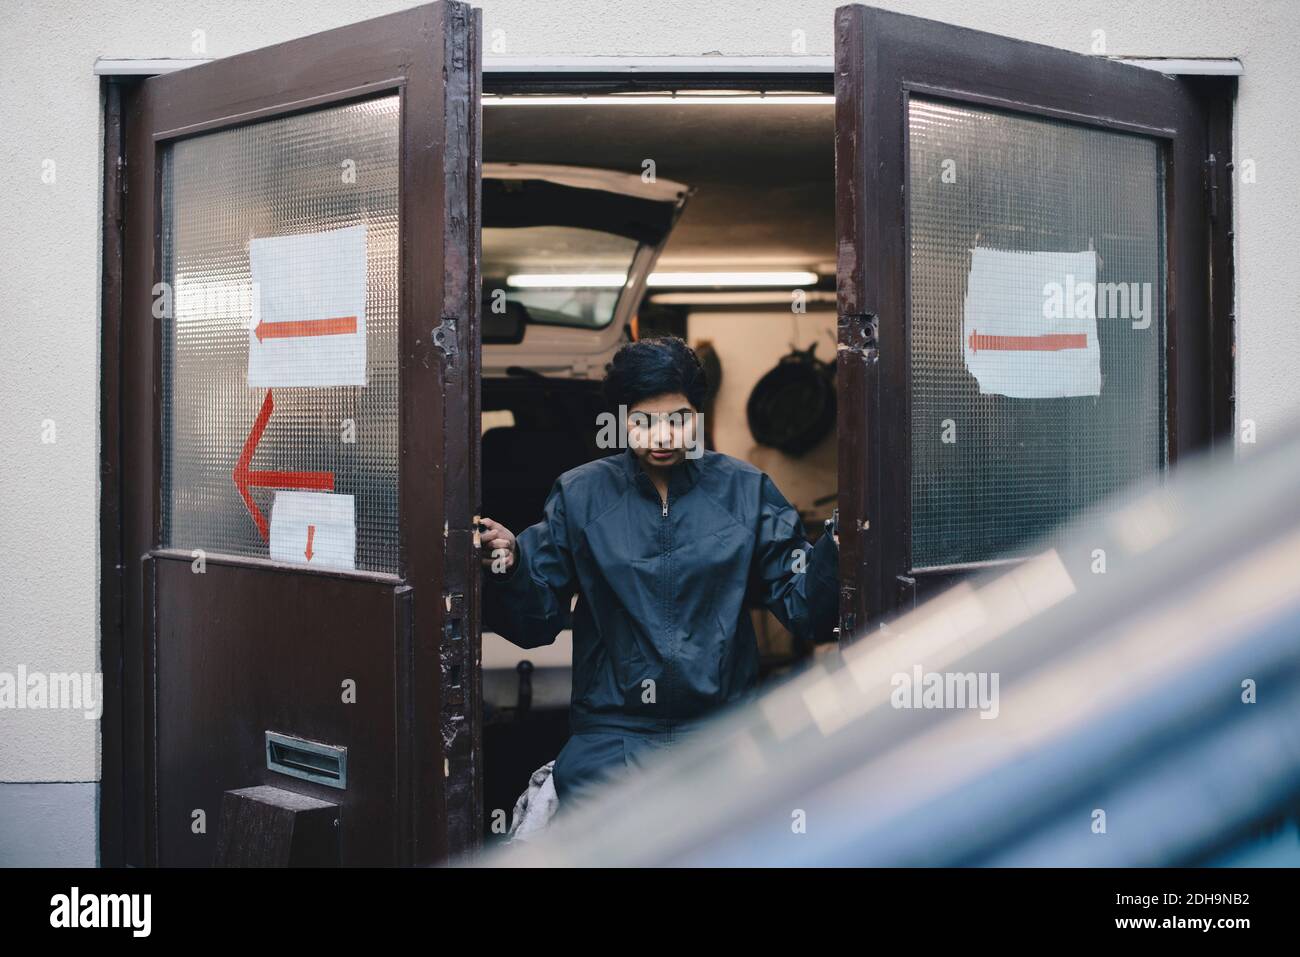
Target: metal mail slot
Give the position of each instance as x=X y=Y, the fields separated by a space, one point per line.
x=308 y=760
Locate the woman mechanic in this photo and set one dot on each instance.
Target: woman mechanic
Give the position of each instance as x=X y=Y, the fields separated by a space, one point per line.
x=666 y=545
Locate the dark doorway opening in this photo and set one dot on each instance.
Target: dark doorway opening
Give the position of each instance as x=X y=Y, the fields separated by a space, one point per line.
x=753 y=159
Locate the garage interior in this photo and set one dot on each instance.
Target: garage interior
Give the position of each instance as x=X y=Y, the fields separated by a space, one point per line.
x=761 y=171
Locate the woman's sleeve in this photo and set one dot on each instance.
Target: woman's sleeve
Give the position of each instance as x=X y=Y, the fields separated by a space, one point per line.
x=797 y=581
x=529 y=604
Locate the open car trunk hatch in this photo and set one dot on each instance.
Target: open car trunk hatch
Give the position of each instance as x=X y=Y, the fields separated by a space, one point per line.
x=567 y=251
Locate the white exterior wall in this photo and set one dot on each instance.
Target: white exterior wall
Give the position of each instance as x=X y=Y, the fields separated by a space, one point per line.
x=49 y=285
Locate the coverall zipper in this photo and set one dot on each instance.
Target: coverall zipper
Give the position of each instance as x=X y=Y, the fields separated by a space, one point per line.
x=668 y=725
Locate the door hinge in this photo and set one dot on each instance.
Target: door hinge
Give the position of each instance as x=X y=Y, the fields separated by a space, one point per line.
x=844 y=632
x=1212 y=184
x=444 y=337
x=848 y=621
x=906 y=592
x=119 y=214
x=859 y=333
x=456 y=677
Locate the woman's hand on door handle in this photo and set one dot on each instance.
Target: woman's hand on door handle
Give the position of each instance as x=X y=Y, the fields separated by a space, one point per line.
x=501 y=549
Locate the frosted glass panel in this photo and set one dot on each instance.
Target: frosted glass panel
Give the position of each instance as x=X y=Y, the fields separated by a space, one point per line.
x=1024 y=407
x=280 y=357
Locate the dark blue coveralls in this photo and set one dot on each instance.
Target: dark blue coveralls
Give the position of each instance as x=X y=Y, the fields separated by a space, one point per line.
x=662 y=635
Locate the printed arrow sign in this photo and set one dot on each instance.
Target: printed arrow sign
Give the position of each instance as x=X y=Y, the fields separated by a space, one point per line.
x=298 y=328
x=325 y=521
x=1046 y=343
x=308 y=323
x=1012 y=342
x=246 y=478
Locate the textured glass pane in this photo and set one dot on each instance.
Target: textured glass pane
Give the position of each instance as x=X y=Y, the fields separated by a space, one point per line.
x=309 y=204
x=1021 y=418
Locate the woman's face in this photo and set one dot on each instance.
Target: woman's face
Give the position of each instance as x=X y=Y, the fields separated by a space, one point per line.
x=661 y=429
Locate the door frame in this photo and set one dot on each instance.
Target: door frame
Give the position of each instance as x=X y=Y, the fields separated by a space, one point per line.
x=897 y=55
x=542 y=74
x=438 y=694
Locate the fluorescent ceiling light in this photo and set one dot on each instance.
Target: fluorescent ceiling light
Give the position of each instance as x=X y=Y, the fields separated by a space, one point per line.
x=557 y=280
x=566 y=280
x=632 y=99
x=670 y=279
x=735 y=298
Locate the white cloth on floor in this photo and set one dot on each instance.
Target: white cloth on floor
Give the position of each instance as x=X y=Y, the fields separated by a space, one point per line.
x=536 y=806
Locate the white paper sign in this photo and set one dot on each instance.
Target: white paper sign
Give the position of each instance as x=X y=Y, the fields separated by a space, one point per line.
x=314 y=528
x=1030 y=326
x=309 y=309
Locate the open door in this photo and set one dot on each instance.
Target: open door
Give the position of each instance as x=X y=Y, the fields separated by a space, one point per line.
x=1024 y=298
x=298 y=451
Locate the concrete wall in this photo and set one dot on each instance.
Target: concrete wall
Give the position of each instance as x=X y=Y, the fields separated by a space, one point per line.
x=49 y=286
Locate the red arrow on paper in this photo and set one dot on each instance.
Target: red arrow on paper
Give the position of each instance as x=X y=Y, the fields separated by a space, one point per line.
x=340 y=326
x=311 y=533
x=245 y=478
x=1049 y=343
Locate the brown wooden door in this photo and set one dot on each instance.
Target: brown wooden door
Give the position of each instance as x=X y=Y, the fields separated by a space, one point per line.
x=982 y=184
x=298 y=456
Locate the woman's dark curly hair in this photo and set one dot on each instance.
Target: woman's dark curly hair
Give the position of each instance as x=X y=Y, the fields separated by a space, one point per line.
x=650 y=367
